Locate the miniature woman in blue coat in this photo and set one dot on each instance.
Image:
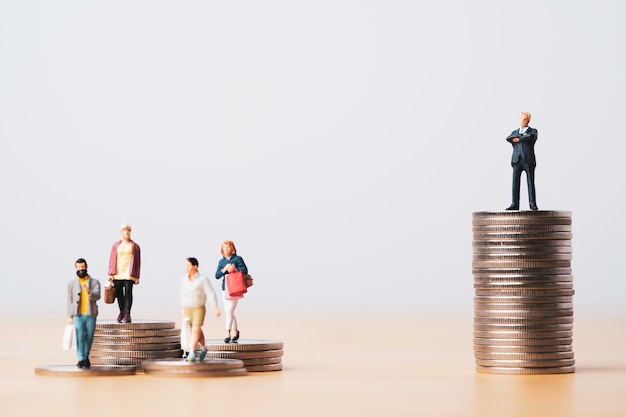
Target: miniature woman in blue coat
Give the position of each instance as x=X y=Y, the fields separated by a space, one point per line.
x=230 y=262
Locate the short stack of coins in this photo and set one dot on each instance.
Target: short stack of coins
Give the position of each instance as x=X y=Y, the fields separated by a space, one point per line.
x=523 y=304
x=131 y=343
x=257 y=355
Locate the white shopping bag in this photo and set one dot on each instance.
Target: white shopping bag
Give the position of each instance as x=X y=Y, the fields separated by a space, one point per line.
x=185 y=334
x=69 y=337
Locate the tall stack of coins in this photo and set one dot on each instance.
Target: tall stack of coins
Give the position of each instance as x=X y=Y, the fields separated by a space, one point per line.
x=523 y=307
x=131 y=343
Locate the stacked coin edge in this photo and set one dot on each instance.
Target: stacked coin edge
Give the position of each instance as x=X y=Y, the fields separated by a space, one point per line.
x=523 y=304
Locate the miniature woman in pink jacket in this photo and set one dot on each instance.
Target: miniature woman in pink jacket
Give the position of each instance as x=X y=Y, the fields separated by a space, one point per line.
x=124 y=266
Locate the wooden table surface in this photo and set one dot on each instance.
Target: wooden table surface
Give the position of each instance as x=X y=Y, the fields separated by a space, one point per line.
x=345 y=366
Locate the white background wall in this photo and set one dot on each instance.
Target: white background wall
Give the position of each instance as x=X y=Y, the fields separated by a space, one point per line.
x=343 y=145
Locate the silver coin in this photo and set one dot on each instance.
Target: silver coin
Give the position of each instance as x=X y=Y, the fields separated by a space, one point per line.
x=521 y=299
x=525 y=363
x=568 y=313
x=116 y=361
x=136 y=333
x=245 y=354
x=553 y=225
x=94 y=370
x=523 y=320
x=183 y=365
x=526 y=256
x=523 y=293
x=527 y=285
x=523 y=214
x=523 y=348
x=265 y=368
x=261 y=361
x=485 y=221
x=525 y=327
x=521 y=228
x=525 y=356
x=489 y=272
x=520 y=264
x=511 y=341
x=522 y=306
x=499 y=249
x=135 y=346
x=191 y=373
x=135 y=325
x=524 y=371
x=522 y=236
x=103 y=339
x=144 y=354
x=504 y=279
x=519 y=334
x=527 y=243
x=244 y=344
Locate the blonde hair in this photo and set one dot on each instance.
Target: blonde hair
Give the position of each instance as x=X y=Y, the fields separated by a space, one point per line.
x=229 y=243
x=525 y=113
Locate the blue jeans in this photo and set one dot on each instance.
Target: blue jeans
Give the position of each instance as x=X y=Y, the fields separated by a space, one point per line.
x=85 y=328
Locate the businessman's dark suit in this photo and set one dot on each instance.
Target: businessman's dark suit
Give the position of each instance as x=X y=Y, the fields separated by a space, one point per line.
x=523 y=159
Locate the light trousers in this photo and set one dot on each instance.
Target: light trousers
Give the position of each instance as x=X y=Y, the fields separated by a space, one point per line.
x=229 y=307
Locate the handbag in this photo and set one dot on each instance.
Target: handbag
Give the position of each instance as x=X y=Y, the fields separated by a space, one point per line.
x=236 y=284
x=109 y=294
x=248 y=280
x=69 y=337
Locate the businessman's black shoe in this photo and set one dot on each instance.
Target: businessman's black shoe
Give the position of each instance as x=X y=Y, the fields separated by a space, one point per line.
x=512 y=207
x=534 y=207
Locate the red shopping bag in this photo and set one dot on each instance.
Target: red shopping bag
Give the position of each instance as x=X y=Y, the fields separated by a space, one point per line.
x=236 y=284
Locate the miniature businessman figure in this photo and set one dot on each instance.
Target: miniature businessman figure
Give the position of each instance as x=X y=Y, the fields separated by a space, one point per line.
x=82 y=294
x=124 y=267
x=523 y=159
